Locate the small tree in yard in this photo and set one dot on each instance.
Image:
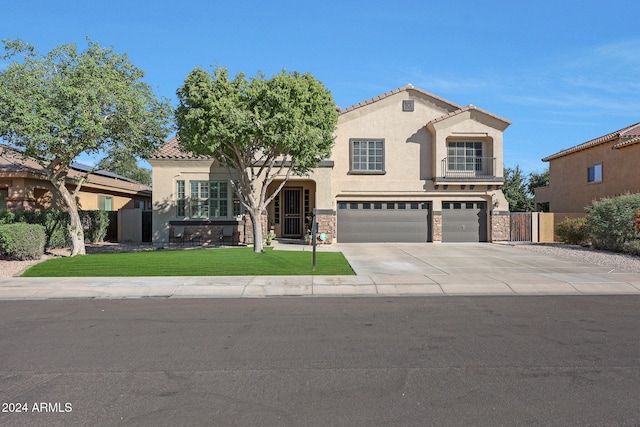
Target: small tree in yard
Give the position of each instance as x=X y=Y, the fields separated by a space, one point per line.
x=57 y=106
x=258 y=128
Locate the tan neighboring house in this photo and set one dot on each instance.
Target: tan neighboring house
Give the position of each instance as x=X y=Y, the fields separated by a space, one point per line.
x=607 y=166
x=23 y=187
x=407 y=166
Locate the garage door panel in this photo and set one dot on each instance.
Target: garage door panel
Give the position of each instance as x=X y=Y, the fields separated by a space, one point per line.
x=382 y=225
x=466 y=223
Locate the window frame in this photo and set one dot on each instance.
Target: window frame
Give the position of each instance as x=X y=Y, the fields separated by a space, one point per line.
x=367 y=156
x=181 y=198
x=103 y=201
x=209 y=199
x=594 y=174
x=466 y=161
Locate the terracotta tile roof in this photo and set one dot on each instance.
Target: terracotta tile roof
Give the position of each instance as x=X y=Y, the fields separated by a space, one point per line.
x=171 y=150
x=626 y=135
x=395 y=91
x=627 y=142
x=469 y=108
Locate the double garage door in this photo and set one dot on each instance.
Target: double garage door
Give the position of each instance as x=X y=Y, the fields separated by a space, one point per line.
x=360 y=222
x=383 y=222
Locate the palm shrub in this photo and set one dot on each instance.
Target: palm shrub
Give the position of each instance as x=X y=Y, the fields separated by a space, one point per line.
x=573 y=231
x=611 y=222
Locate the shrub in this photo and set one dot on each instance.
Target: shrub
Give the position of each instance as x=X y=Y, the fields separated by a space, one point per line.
x=632 y=247
x=54 y=223
x=7 y=217
x=95 y=224
x=573 y=231
x=612 y=222
x=22 y=241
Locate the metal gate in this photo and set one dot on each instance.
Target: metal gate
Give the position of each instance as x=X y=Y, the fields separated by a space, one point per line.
x=112 y=229
x=147 y=228
x=520 y=226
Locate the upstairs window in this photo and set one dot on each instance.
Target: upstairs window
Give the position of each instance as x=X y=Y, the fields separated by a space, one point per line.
x=367 y=156
x=464 y=156
x=594 y=173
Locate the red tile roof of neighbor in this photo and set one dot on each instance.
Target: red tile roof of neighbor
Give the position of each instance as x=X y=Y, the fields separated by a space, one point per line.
x=171 y=150
x=628 y=136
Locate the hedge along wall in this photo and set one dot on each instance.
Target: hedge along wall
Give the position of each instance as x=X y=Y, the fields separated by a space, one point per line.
x=95 y=224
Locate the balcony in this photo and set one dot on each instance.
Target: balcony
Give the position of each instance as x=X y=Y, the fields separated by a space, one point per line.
x=456 y=169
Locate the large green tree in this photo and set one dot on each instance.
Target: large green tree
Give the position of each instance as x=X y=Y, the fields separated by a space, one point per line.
x=56 y=106
x=259 y=129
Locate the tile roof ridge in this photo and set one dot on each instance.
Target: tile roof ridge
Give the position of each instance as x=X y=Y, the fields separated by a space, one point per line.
x=627 y=142
x=468 y=108
x=596 y=141
x=407 y=87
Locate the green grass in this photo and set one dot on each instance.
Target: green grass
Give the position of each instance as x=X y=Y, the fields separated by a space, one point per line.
x=205 y=262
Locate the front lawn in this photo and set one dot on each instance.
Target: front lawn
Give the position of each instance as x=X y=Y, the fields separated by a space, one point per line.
x=201 y=262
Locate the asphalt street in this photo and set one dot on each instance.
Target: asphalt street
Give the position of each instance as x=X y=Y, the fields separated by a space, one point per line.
x=548 y=360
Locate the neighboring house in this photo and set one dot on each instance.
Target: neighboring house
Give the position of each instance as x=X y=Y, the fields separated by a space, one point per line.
x=23 y=186
x=407 y=166
x=607 y=166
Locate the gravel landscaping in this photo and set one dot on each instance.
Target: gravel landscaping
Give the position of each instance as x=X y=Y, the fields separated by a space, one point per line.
x=618 y=261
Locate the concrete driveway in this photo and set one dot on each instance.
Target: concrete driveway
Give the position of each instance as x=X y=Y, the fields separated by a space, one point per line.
x=468 y=267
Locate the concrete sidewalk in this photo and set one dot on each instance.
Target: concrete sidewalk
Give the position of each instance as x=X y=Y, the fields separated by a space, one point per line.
x=382 y=270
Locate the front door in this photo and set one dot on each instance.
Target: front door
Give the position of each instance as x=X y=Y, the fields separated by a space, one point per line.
x=292 y=211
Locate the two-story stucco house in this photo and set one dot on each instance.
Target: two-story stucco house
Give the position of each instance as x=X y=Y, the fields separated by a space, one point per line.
x=407 y=166
x=606 y=166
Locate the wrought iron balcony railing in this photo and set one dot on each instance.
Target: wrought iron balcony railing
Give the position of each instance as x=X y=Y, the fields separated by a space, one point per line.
x=473 y=168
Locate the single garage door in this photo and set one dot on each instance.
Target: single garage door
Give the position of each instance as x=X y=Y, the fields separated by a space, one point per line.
x=383 y=222
x=464 y=222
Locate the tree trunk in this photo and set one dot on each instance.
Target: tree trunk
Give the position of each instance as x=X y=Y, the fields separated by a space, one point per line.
x=256 y=216
x=76 y=231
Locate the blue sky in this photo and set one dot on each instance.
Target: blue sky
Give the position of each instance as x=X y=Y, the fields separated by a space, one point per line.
x=562 y=71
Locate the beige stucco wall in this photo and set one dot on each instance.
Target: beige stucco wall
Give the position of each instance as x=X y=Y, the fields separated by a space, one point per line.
x=469 y=125
x=569 y=190
x=407 y=146
x=412 y=156
x=167 y=171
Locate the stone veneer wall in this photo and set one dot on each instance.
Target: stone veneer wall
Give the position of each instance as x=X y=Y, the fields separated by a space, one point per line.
x=500 y=226
x=436 y=227
x=326 y=219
